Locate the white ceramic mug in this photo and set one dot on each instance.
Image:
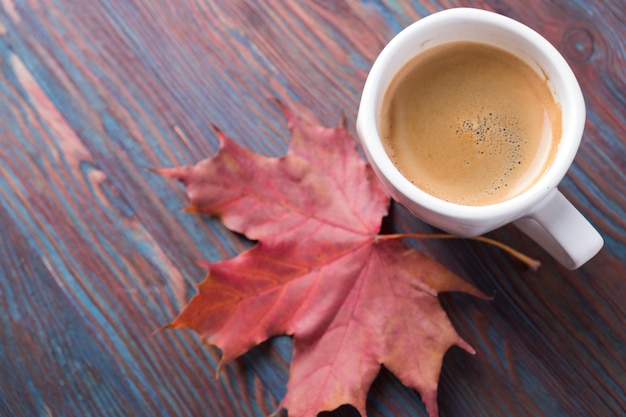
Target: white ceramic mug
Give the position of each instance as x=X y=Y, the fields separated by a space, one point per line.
x=542 y=212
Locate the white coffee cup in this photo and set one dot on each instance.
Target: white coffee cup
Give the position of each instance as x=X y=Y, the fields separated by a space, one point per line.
x=542 y=212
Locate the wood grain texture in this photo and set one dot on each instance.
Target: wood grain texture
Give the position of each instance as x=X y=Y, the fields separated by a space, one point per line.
x=95 y=255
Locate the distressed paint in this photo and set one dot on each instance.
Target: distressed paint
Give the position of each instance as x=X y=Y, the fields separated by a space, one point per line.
x=95 y=254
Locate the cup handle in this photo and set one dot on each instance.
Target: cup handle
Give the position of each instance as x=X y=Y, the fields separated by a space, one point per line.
x=557 y=226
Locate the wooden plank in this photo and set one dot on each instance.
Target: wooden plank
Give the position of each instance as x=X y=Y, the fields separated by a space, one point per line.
x=95 y=255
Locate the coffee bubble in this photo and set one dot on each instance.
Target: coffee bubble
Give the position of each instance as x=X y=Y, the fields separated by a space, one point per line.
x=494 y=135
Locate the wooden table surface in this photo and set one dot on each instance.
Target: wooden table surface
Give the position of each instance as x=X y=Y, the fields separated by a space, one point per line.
x=95 y=254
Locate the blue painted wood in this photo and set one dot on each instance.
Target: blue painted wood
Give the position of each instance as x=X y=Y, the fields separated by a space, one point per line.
x=95 y=255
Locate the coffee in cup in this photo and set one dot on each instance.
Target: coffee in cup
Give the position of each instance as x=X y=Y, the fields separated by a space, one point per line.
x=470 y=123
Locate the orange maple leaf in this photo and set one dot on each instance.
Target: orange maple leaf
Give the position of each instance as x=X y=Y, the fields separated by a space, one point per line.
x=352 y=299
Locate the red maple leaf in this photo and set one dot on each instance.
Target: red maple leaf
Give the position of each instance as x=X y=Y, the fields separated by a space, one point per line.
x=352 y=299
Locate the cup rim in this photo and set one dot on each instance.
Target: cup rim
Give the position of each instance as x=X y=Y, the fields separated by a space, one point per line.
x=572 y=101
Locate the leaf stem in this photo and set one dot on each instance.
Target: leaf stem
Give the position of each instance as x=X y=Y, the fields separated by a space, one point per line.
x=532 y=263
